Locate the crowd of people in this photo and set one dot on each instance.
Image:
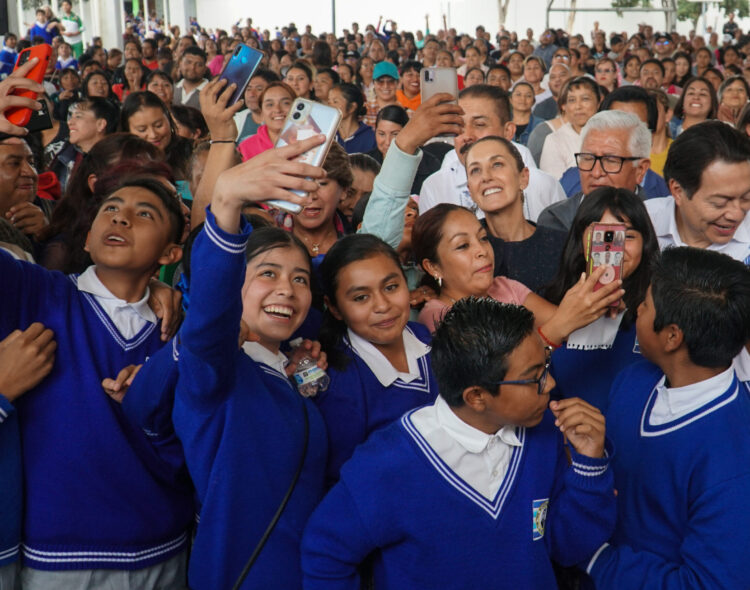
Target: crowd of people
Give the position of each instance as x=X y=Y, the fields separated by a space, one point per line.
x=497 y=409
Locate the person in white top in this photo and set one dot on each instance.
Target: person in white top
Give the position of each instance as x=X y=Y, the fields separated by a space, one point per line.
x=560 y=147
x=708 y=173
x=486 y=112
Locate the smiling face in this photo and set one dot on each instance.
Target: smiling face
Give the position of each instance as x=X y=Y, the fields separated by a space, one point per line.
x=385 y=89
x=129 y=233
x=494 y=180
x=465 y=257
x=533 y=71
x=385 y=133
x=151 y=124
x=322 y=86
x=276 y=294
x=275 y=107
x=697 y=100
x=734 y=95
x=715 y=211
x=522 y=99
x=98 y=86
x=372 y=298
x=481 y=119
x=410 y=83
x=18 y=177
x=162 y=88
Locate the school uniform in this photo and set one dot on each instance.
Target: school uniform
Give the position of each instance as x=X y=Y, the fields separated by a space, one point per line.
x=92 y=492
x=370 y=393
x=682 y=477
x=241 y=424
x=11 y=483
x=443 y=505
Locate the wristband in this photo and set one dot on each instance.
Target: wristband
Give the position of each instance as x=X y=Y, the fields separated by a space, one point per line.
x=546 y=340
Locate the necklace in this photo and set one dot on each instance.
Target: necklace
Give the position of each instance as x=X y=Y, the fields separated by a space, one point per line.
x=315 y=246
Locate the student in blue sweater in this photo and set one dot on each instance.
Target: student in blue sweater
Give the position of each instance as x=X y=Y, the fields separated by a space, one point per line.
x=681 y=426
x=247 y=433
x=379 y=361
x=96 y=509
x=25 y=359
x=586 y=364
x=475 y=490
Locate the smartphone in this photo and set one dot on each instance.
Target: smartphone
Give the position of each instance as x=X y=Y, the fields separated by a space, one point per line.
x=605 y=246
x=41 y=119
x=436 y=80
x=240 y=68
x=20 y=115
x=305 y=119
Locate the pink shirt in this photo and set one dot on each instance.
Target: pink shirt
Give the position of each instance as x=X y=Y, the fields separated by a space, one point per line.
x=216 y=64
x=255 y=144
x=502 y=289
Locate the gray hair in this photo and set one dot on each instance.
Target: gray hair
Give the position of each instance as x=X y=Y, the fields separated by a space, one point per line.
x=640 y=136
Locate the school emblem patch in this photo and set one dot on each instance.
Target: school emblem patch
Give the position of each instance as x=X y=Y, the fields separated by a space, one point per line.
x=539 y=517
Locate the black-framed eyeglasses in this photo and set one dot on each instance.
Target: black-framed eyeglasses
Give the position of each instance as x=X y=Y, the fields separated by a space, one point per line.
x=610 y=164
x=540 y=381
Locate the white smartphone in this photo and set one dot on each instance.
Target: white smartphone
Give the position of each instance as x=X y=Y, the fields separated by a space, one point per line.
x=436 y=80
x=306 y=119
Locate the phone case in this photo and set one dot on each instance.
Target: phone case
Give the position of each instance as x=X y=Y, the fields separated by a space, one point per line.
x=305 y=119
x=20 y=115
x=240 y=68
x=605 y=246
x=436 y=80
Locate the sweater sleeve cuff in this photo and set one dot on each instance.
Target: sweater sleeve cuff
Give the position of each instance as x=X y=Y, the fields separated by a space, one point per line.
x=589 y=467
x=231 y=243
x=399 y=169
x=6 y=408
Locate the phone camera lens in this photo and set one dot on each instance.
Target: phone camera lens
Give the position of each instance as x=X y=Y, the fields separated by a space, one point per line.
x=296 y=116
x=609 y=236
x=300 y=107
x=237 y=51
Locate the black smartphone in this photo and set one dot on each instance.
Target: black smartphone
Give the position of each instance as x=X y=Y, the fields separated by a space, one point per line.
x=41 y=119
x=240 y=69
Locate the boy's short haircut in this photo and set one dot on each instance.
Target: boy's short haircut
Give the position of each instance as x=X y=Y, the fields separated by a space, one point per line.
x=500 y=97
x=472 y=343
x=707 y=295
x=102 y=109
x=411 y=65
x=196 y=51
x=169 y=199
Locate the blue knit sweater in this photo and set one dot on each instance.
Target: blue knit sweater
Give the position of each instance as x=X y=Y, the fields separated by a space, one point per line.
x=241 y=426
x=356 y=403
x=11 y=505
x=683 y=489
x=94 y=495
x=429 y=529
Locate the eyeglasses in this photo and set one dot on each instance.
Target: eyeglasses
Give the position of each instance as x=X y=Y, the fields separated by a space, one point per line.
x=610 y=164
x=561 y=56
x=607 y=71
x=540 y=381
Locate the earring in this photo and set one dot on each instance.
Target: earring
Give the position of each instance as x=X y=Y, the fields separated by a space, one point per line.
x=439 y=281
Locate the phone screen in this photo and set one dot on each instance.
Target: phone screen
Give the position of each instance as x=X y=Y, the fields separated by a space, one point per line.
x=240 y=68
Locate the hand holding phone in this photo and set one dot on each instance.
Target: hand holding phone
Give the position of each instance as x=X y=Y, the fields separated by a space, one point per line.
x=10 y=102
x=605 y=246
x=20 y=115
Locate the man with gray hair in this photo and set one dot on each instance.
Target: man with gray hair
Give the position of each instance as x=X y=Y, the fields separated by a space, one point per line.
x=614 y=152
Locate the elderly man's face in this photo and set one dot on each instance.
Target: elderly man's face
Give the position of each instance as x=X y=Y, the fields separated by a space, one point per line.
x=18 y=176
x=612 y=142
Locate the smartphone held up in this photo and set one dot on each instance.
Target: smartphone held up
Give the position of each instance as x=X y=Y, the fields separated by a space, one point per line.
x=605 y=246
x=306 y=119
x=239 y=69
x=21 y=115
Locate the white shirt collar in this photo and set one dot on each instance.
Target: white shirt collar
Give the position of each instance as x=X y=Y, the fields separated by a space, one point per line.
x=260 y=354
x=470 y=438
x=381 y=367
x=673 y=403
x=181 y=85
x=89 y=282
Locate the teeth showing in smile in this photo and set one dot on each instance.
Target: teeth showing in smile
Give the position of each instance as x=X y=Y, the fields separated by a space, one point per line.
x=491 y=191
x=115 y=239
x=281 y=310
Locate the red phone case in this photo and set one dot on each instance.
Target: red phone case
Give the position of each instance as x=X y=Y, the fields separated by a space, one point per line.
x=606 y=247
x=20 y=115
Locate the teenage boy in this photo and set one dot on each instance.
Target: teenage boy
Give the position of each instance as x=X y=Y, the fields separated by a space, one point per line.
x=8 y=54
x=476 y=488
x=681 y=425
x=97 y=511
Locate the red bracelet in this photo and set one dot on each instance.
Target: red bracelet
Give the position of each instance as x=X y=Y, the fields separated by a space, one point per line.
x=546 y=340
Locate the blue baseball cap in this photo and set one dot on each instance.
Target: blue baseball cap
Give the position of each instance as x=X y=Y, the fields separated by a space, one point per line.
x=385 y=68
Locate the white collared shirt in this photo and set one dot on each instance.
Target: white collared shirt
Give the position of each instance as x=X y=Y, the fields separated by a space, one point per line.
x=381 y=367
x=186 y=95
x=449 y=185
x=663 y=217
x=673 y=403
x=480 y=459
x=128 y=318
x=260 y=354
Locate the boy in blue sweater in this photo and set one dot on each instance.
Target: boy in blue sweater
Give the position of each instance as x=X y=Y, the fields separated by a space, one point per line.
x=681 y=427
x=94 y=496
x=475 y=490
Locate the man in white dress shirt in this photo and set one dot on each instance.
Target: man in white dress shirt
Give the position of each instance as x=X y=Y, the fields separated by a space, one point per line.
x=486 y=112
